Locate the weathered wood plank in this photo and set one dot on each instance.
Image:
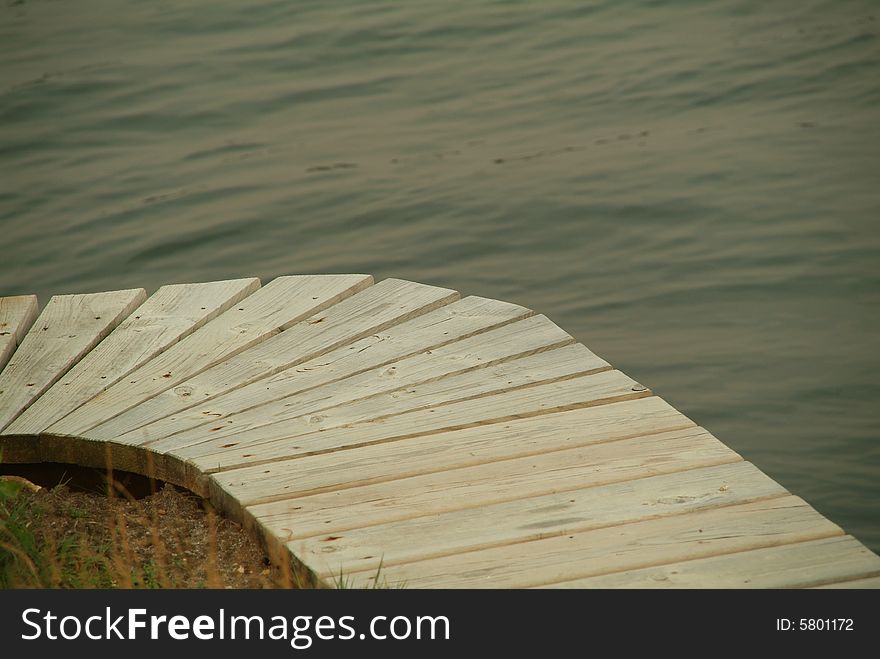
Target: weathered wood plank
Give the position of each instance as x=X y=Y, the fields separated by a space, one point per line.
x=869 y=582
x=798 y=565
x=68 y=328
x=17 y=314
x=518 y=339
x=372 y=310
x=170 y=314
x=428 y=454
x=271 y=309
x=383 y=393
x=598 y=389
x=765 y=523
x=494 y=482
x=530 y=519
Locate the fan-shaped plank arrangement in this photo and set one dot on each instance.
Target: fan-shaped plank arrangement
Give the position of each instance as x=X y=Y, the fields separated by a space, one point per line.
x=453 y=442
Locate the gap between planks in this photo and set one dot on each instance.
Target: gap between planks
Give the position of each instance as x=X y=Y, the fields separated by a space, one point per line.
x=66 y=330
x=472 y=447
x=288 y=397
x=545 y=398
x=364 y=313
x=268 y=311
x=169 y=315
x=346 y=410
x=17 y=314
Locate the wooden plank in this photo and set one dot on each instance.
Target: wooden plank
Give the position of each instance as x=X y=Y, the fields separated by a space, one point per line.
x=284 y=398
x=868 y=582
x=428 y=454
x=530 y=519
x=598 y=389
x=386 y=392
x=798 y=565
x=372 y=310
x=170 y=314
x=68 y=328
x=438 y=333
x=765 y=523
x=17 y=314
x=494 y=482
x=271 y=309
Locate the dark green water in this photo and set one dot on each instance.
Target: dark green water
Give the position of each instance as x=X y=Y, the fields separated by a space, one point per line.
x=689 y=188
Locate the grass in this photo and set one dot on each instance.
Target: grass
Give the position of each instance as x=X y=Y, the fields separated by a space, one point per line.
x=29 y=560
x=376 y=582
x=63 y=539
x=31 y=556
x=17 y=542
x=171 y=539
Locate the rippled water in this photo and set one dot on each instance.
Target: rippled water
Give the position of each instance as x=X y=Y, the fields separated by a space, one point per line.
x=690 y=188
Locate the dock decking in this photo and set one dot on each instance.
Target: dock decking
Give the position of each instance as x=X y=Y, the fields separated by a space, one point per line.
x=453 y=442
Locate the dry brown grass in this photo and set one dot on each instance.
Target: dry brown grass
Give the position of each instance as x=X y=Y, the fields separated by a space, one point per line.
x=59 y=538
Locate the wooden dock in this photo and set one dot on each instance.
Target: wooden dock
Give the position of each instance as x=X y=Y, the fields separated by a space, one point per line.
x=455 y=442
